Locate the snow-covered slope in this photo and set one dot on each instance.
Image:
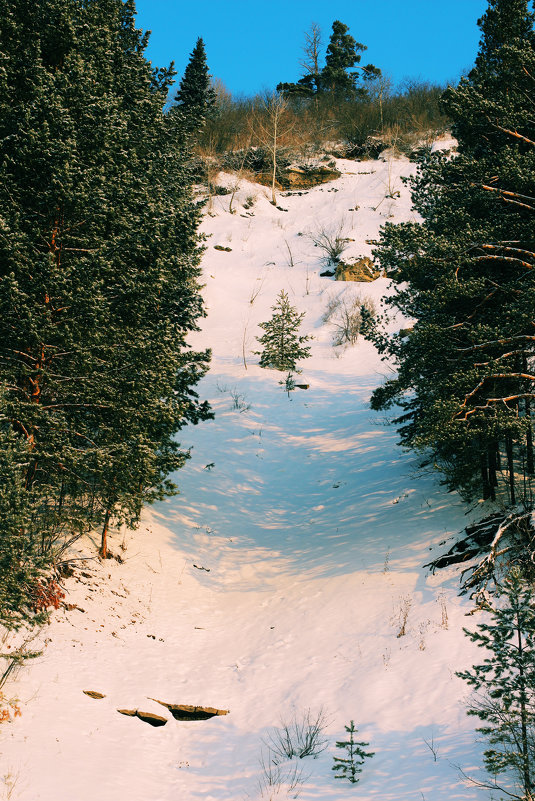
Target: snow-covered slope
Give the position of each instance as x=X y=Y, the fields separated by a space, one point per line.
x=286 y=579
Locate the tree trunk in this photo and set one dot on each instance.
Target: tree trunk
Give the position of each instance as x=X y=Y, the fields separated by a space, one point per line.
x=530 y=462
x=526 y=775
x=484 y=475
x=103 y=551
x=493 y=480
x=273 y=196
x=510 y=467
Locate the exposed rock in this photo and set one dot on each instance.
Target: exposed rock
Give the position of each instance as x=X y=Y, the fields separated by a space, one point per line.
x=362 y=269
x=146 y=717
x=295 y=178
x=94 y=694
x=187 y=712
x=304 y=178
x=151 y=718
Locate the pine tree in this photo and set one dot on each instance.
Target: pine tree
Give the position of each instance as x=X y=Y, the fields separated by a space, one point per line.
x=283 y=346
x=350 y=766
x=343 y=53
x=463 y=381
x=334 y=79
x=99 y=261
x=196 y=98
x=20 y=562
x=506 y=679
x=502 y=24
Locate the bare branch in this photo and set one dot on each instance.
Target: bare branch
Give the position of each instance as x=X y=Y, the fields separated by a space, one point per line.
x=311 y=50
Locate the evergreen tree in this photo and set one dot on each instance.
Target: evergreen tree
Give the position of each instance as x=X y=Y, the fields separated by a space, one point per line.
x=350 y=766
x=502 y=24
x=506 y=679
x=196 y=98
x=463 y=382
x=19 y=559
x=99 y=261
x=283 y=346
x=334 y=79
x=343 y=53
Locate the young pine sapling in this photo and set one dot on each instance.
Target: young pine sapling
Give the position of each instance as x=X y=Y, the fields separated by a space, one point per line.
x=283 y=346
x=349 y=766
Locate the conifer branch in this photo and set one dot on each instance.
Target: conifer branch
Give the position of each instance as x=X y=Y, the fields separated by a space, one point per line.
x=510 y=197
x=511 y=259
x=492 y=342
x=507 y=249
x=515 y=134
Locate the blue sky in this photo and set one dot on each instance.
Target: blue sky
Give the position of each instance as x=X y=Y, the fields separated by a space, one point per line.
x=252 y=46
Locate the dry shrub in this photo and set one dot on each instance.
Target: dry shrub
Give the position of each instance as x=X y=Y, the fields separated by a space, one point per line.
x=300 y=737
x=46 y=594
x=331 y=241
x=9 y=709
x=409 y=113
x=344 y=312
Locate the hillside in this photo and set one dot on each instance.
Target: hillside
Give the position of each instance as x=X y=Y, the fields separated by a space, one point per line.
x=285 y=579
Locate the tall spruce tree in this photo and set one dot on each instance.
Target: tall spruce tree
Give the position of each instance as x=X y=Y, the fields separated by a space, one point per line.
x=196 y=98
x=505 y=685
x=99 y=261
x=465 y=275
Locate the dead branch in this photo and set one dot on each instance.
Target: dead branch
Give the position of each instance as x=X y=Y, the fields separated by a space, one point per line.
x=490 y=539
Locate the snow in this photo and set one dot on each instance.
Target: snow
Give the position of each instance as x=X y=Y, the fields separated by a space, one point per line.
x=444 y=143
x=282 y=576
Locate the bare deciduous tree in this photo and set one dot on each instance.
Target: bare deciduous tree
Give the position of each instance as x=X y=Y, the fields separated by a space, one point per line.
x=311 y=50
x=270 y=129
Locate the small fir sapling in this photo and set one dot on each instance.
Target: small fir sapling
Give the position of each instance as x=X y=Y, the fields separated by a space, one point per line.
x=348 y=767
x=283 y=346
x=289 y=383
